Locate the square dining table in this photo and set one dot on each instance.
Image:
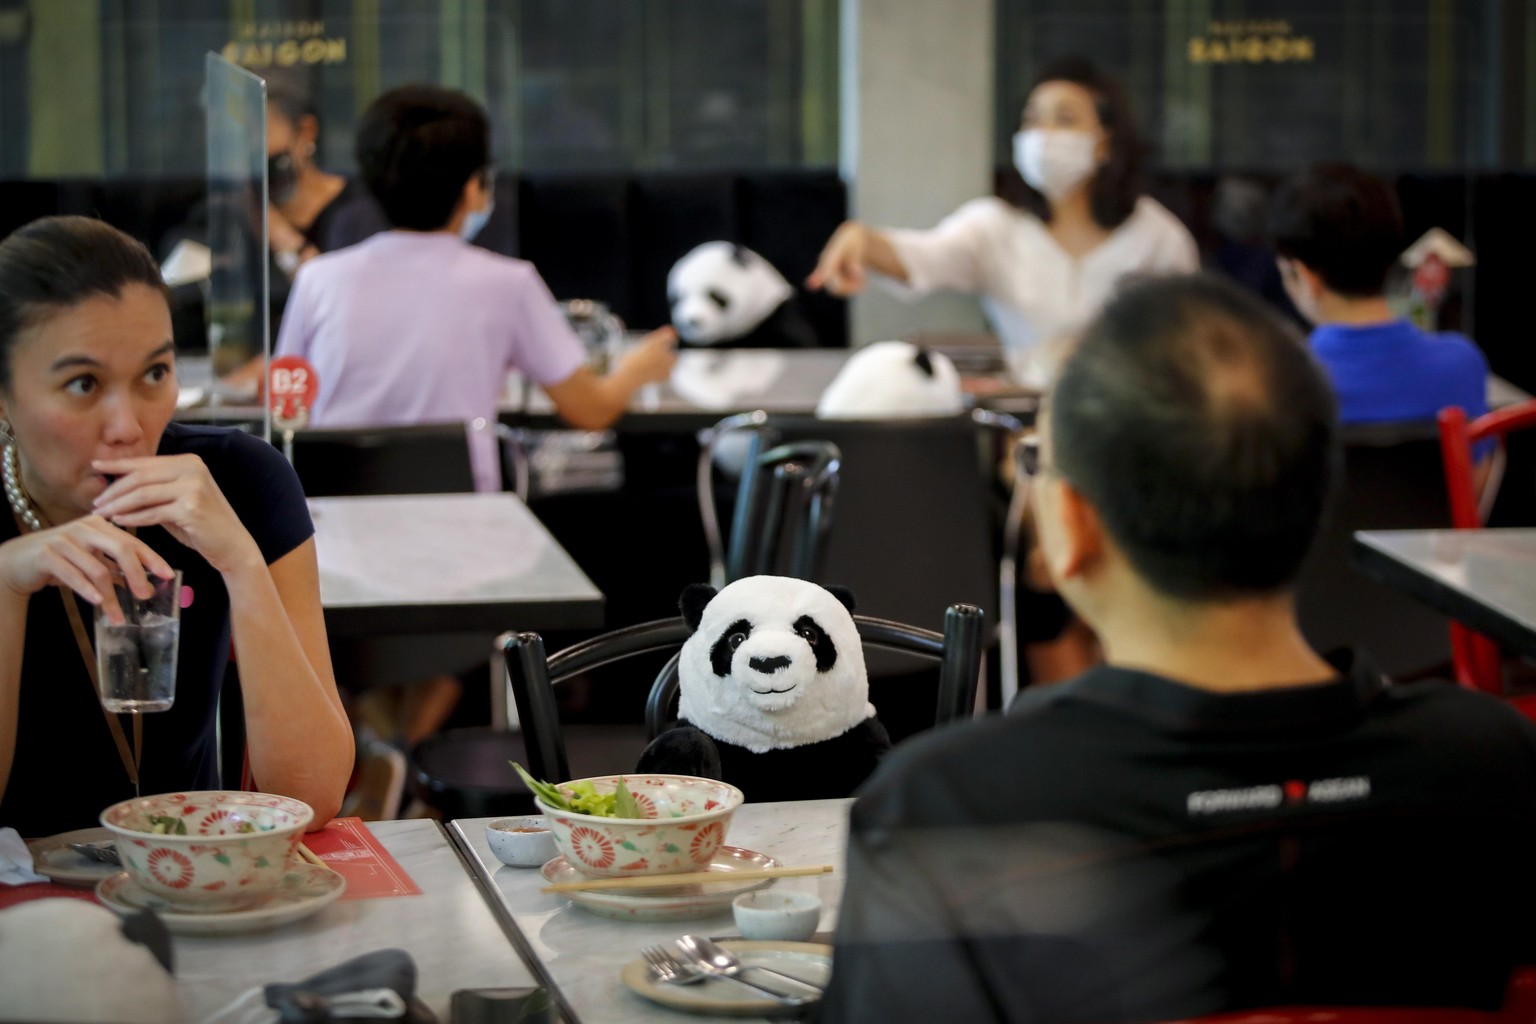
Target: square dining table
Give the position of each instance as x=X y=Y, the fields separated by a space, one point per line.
x=421 y=563
x=448 y=929
x=1484 y=579
x=578 y=955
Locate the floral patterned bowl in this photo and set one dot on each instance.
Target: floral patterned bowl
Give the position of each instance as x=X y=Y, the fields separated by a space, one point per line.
x=216 y=851
x=685 y=825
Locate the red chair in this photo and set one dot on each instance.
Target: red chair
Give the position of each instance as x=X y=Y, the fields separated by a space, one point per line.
x=1519 y=1008
x=1476 y=658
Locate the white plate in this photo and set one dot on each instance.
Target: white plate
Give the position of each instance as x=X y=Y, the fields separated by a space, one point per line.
x=723 y=997
x=668 y=902
x=52 y=857
x=305 y=889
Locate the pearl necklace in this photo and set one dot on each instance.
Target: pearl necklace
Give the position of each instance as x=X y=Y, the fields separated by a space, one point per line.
x=21 y=504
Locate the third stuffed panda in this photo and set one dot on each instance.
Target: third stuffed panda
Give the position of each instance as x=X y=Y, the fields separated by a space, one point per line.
x=773 y=695
x=725 y=295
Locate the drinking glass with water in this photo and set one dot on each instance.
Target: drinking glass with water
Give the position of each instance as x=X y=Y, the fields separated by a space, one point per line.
x=136 y=661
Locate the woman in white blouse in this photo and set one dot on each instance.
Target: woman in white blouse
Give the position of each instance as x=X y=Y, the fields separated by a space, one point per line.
x=1045 y=263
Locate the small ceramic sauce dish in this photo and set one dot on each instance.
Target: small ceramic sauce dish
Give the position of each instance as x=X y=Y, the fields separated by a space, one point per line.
x=521 y=842
x=777 y=915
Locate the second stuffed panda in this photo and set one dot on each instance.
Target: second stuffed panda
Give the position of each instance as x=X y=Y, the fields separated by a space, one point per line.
x=725 y=295
x=773 y=694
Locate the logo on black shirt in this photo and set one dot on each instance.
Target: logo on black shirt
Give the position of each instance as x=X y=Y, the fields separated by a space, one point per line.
x=1292 y=793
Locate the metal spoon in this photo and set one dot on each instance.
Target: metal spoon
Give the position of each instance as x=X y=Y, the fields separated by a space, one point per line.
x=710 y=956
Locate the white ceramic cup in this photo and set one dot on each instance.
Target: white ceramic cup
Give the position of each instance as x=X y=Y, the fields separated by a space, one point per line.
x=777 y=915
x=521 y=842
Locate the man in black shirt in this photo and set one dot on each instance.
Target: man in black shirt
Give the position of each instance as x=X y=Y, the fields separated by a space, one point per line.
x=1218 y=818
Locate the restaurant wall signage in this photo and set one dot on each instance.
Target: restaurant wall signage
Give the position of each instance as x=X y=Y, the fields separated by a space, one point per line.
x=1269 y=41
x=284 y=44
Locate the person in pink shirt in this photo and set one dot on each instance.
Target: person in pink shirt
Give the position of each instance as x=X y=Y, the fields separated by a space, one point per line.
x=415 y=325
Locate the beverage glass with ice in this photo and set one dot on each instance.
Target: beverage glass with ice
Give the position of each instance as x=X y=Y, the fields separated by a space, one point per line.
x=136 y=661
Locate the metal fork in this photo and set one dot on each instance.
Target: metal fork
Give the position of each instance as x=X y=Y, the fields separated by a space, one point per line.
x=667 y=969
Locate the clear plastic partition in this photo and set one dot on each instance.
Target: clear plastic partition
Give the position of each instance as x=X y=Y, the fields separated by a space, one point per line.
x=239 y=328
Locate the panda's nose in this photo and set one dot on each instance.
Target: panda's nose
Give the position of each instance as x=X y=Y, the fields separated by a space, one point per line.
x=768 y=666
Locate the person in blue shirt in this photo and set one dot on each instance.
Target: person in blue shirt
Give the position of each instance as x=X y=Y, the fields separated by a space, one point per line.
x=1337 y=231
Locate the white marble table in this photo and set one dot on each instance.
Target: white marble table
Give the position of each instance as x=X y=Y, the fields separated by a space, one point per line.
x=579 y=954
x=435 y=563
x=448 y=930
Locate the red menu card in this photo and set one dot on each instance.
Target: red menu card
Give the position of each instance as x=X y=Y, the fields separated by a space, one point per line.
x=352 y=851
x=10 y=895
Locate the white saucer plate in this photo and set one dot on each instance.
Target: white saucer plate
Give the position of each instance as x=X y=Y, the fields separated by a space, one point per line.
x=305 y=890
x=52 y=857
x=722 y=997
x=668 y=902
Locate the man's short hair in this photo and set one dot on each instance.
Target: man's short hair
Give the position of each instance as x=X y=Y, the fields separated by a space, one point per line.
x=1196 y=422
x=417 y=146
x=1342 y=223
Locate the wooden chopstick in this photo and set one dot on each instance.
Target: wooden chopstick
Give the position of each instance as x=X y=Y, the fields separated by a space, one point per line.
x=307 y=854
x=685 y=878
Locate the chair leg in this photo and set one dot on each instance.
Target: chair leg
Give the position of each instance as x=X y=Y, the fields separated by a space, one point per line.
x=1478 y=661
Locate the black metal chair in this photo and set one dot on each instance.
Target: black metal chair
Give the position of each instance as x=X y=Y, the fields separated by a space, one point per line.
x=429 y=458
x=420 y=458
x=466 y=772
x=782 y=507
x=1392 y=480
x=532 y=677
x=902 y=484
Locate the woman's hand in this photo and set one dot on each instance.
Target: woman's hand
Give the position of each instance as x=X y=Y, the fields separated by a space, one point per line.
x=177 y=492
x=840 y=267
x=84 y=555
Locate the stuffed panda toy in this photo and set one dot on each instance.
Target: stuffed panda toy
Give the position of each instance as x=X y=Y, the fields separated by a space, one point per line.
x=725 y=295
x=71 y=960
x=893 y=380
x=773 y=695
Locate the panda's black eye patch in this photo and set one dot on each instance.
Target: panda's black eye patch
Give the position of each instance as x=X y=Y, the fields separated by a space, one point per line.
x=732 y=637
x=719 y=298
x=821 y=644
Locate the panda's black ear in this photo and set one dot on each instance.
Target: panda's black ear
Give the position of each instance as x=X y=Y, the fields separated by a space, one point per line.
x=844 y=597
x=739 y=254
x=924 y=362
x=691 y=604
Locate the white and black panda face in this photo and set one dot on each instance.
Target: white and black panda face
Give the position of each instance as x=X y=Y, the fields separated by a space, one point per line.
x=720 y=292
x=893 y=380
x=773 y=662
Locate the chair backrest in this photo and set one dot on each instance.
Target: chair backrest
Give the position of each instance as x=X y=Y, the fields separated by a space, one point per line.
x=1457 y=439
x=1391 y=481
x=914 y=512
x=1477 y=659
x=431 y=458
x=1519 y=1008
x=531 y=676
x=782 y=509
x=783 y=512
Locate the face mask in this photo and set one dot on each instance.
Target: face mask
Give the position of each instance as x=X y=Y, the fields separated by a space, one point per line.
x=282 y=177
x=1054 y=161
x=474 y=220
